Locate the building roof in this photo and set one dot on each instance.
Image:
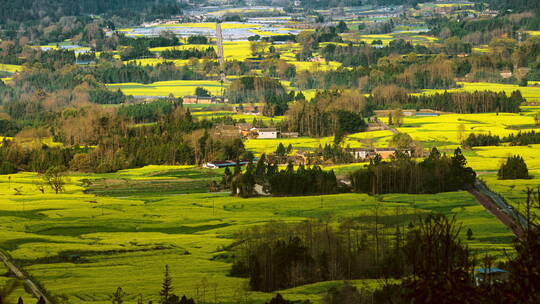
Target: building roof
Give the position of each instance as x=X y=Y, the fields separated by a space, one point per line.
x=266 y=130
x=489 y=270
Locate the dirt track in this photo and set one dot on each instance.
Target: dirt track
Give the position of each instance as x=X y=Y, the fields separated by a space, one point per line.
x=34 y=289
x=493 y=209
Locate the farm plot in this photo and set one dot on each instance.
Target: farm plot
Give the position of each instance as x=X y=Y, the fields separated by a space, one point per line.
x=530 y=93
x=178 y=88
x=10 y=68
x=81 y=245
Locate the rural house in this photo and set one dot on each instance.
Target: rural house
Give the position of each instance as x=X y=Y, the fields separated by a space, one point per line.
x=266 y=133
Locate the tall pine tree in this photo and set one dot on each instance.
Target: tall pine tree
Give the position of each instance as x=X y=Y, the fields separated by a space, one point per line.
x=166 y=287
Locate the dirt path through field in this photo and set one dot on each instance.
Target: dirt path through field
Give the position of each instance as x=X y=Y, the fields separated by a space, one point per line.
x=34 y=289
x=494 y=209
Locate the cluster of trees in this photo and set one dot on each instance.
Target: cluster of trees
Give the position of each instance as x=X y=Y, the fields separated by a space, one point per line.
x=520 y=139
x=309 y=40
x=36 y=94
x=254 y=89
x=302 y=181
x=164 y=39
x=198 y=39
x=461 y=102
x=175 y=138
x=365 y=55
x=334 y=153
x=477 y=140
x=523 y=138
x=131 y=72
x=280 y=256
x=514 y=168
x=208 y=53
x=427 y=255
x=327 y=114
x=436 y=173
x=14 y=157
x=138 y=51
x=148 y=112
x=274 y=67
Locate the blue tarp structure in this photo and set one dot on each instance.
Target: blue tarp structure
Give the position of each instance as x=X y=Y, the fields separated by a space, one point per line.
x=490 y=270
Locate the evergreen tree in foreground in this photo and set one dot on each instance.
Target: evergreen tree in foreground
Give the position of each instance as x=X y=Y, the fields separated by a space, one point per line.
x=166 y=287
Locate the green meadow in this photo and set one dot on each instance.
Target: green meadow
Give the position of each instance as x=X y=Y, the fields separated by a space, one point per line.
x=121 y=229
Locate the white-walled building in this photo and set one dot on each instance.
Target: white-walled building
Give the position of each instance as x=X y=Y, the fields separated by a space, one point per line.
x=267 y=133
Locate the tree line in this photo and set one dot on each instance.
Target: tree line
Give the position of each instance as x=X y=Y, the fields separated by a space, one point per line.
x=302 y=181
x=436 y=173
x=132 y=72
x=522 y=138
x=208 y=53
x=458 y=102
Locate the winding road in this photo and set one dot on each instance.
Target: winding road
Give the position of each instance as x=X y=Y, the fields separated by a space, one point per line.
x=33 y=287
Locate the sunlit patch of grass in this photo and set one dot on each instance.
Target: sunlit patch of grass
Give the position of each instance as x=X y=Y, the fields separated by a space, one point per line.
x=178 y=88
x=530 y=93
x=12 y=68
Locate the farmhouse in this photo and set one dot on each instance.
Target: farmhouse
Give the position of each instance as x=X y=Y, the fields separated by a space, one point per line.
x=189 y=99
x=201 y=100
x=217 y=165
x=266 y=133
x=205 y=100
x=376 y=126
x=248 y=110
x=359 y=153
x=385 y=153
x=364 y=154
x=410 y=112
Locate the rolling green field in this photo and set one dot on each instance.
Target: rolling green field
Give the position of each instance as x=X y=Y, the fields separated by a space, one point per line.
x=84 y=245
